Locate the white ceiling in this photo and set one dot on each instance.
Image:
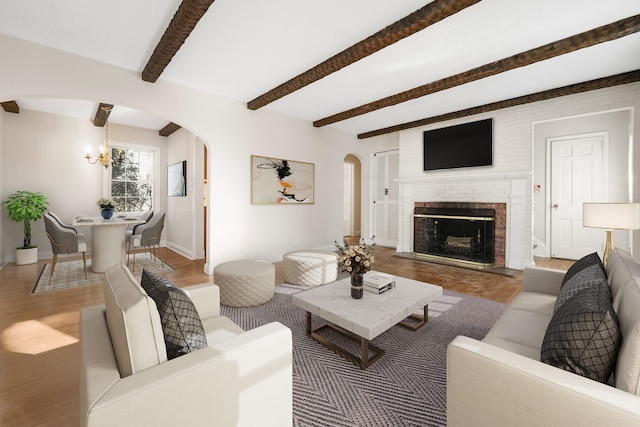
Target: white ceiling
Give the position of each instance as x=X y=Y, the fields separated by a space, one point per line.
x=243 y=48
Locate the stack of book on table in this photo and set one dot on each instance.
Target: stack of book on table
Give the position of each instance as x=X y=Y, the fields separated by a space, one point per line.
x=378 y=283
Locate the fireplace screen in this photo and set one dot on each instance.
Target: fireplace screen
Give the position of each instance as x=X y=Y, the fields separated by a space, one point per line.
x=462 y=234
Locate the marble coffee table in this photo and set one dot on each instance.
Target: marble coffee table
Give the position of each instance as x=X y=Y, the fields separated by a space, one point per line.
x=361 y=320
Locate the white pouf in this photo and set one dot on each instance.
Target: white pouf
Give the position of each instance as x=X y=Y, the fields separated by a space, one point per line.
x=245 y=283
x=310 y=267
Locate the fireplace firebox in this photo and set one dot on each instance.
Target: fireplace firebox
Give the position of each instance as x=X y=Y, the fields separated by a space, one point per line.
x=463 y=234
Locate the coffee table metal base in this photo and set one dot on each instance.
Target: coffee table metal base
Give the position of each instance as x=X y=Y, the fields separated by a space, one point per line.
x=363 y=360
x=422 y=320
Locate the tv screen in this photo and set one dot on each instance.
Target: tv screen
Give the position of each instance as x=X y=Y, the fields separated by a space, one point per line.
x=466 y=145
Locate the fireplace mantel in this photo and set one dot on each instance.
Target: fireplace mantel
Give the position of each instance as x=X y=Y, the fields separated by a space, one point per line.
x=511 y=189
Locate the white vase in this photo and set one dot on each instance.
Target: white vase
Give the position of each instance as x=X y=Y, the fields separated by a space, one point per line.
x=26 y=256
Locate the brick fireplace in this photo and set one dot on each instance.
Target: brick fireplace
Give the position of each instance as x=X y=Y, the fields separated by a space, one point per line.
x=465 y=231
x=506 y=187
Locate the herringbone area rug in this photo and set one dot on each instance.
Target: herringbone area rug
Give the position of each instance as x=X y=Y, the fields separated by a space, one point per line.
x=406 y=387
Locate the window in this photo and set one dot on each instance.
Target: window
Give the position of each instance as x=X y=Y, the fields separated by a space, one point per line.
x=132 y=181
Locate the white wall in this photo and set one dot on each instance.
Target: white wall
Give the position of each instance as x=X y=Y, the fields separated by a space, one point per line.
x=184 y=213
x=232 y=134
x=266 y=231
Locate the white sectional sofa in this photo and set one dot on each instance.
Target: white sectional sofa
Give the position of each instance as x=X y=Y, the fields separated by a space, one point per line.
x=239 y=379
x=500 y=381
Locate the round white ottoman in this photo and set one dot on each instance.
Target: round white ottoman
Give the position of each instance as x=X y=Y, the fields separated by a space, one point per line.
x=245 y=283
x=310 y=267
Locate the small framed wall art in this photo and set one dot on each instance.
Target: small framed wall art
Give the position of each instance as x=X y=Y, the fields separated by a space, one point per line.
x=177 y=179
x=280 y=181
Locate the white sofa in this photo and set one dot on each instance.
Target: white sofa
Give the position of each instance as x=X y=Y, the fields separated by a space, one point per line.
x=500 y=381
x=240 y=379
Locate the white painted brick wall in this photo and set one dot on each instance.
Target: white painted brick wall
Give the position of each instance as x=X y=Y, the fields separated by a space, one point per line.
x=512 y=157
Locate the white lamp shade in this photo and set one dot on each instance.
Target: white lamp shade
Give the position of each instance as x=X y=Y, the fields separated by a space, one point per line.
x=621 y=216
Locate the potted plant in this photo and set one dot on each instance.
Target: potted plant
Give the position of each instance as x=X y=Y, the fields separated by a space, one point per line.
x=106 y=208
x=24 y=207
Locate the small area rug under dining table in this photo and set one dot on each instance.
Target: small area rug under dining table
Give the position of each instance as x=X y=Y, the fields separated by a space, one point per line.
x=70 y=274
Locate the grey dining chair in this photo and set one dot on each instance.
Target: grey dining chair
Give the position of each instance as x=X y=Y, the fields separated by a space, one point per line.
x=146 y=216
x=146 y=235
x=64 y=241
x=61 y=222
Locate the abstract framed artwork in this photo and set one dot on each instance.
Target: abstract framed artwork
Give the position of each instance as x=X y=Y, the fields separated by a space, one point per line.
x=177 y=179
x=279 y=181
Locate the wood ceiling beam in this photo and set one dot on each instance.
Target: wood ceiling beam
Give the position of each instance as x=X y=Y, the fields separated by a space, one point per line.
x=169 y=129
x=10 y=107
x=593 y=37
x=183 y=22
x=616 y=80
x=102 y=114
x=432 y=13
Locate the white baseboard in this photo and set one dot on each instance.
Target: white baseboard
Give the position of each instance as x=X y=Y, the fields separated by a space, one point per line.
x=187 y=253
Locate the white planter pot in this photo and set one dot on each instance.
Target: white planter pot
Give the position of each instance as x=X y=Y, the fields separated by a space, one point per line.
x=26 y=256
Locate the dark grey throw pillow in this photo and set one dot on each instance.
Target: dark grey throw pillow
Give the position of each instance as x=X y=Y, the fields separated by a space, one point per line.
x=589 y=276
x=584 y=336
x=181 y=324
x=582 y=263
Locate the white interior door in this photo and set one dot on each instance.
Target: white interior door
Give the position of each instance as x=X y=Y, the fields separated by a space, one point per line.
x=386 y=197
x=578 y=174
x=347 y=215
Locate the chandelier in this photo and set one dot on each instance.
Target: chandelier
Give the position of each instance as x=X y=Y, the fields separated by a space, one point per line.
x=104 y=157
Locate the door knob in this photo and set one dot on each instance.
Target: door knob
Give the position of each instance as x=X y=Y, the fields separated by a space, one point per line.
x=555 y=206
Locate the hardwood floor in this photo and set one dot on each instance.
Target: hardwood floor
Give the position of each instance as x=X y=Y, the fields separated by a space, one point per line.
x=495 y=287
x=39 y=352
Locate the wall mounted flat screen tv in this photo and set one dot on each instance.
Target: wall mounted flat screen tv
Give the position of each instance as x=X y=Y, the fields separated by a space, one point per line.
x=460 y=146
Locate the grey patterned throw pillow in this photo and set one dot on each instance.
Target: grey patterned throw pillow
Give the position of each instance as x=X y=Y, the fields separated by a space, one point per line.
x=181 y=324
x=589 y=276
x=584 y=335
x=582 y=263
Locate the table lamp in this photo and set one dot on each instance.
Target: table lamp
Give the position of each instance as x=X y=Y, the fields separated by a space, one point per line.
x=610 y=216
